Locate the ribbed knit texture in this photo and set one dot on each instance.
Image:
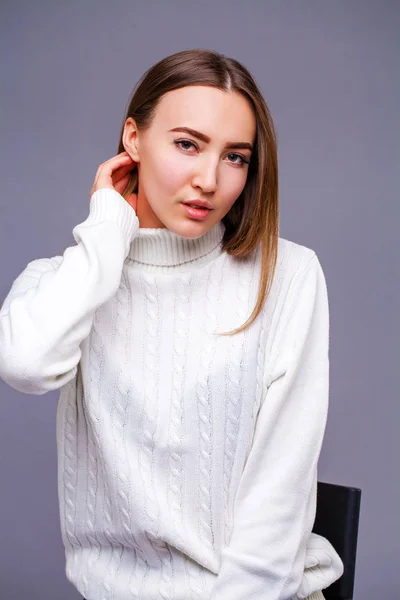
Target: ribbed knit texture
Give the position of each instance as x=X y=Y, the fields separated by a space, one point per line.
x=316 y=596
x=187 y=461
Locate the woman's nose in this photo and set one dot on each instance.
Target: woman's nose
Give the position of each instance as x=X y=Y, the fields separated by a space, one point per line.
x=205 y=176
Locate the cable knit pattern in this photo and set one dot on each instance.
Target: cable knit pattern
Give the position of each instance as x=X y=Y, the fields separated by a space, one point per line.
x=96 y=370
x=234 y=388
x=204 y=408
x=176 y=473
x=186 y=460
x=150 y=417
x=69 y=473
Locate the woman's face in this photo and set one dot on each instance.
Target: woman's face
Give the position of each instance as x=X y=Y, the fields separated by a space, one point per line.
x=208 y=163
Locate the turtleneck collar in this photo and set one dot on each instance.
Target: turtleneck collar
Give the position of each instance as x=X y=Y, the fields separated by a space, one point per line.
x=161 y=249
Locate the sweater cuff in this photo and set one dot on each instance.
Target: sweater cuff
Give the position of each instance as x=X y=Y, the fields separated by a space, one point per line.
x=317 y=596
x=107 y=204
x=314 y=596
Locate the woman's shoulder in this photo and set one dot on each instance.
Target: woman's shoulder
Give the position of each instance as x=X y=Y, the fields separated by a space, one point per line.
x=294 y=263
x=292 y=256
x=298 y=268
x=293 y=259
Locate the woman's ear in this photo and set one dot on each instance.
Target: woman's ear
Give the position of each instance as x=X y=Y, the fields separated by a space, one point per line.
x=130 y=139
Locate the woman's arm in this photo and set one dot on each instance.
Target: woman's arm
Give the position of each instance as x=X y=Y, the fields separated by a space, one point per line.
x=276 y=500
x=50 y=307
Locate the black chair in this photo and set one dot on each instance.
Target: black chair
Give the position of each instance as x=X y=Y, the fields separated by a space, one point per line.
x=337 y=518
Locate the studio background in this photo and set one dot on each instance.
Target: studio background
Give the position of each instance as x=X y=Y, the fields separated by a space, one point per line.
x=330 y=74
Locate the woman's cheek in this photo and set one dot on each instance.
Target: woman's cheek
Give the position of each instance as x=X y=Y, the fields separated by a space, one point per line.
x=232 y=186
x=174 y=171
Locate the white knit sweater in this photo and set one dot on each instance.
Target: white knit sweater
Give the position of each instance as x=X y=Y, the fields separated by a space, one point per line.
x=187 y=461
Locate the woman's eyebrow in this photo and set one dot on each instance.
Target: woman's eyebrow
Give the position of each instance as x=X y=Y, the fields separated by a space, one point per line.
x=204 y=138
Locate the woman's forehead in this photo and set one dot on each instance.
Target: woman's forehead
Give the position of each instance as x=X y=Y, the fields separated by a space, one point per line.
x=209 y=110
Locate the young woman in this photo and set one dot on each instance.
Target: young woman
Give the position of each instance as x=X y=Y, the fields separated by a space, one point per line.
x=189 y=343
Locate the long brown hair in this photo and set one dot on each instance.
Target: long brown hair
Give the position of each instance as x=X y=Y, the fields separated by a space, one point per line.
x=254 y=217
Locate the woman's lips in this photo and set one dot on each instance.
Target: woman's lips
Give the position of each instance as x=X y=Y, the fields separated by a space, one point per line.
x=196 y=213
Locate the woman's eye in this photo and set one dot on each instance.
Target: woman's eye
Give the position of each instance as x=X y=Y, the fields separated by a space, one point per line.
x=233 y=156
x=243 y=160
x=181 y=143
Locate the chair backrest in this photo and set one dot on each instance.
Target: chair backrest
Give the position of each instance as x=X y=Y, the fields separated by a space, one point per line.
x=337 y=518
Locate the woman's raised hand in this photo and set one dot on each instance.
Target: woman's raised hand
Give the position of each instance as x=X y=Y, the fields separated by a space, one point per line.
x=114 y=174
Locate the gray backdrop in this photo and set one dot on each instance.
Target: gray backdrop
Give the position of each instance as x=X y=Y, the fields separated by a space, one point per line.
x=330 y=74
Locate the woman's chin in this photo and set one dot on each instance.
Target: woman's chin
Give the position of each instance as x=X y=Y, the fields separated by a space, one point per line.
x=189 y=228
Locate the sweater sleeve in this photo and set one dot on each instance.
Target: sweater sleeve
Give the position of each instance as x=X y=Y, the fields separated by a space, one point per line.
x=275 y=504
x=50 y=307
